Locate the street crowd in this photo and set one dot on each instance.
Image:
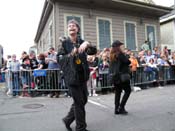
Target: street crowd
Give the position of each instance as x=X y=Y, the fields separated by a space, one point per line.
x=151 y=60
x=69 y=72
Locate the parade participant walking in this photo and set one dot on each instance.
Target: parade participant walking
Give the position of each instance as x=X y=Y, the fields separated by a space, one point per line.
x=73 y=60
x=119 y=64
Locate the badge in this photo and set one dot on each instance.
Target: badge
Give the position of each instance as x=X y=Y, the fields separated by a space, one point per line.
x=78 y=61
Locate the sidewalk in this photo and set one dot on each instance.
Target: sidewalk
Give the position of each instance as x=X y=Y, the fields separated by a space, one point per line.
x=2 y=85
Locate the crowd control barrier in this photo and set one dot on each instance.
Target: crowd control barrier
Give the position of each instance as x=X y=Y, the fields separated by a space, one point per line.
x=35 y=80
x=53 y=80
x=161 y=75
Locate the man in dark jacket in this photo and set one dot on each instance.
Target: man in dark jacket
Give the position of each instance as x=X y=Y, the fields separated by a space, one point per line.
x=73 y=60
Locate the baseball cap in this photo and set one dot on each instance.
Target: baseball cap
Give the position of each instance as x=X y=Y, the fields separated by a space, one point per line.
x=116 y=43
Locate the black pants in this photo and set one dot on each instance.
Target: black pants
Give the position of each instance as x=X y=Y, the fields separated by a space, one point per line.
x=118 y=90
x=77 y=111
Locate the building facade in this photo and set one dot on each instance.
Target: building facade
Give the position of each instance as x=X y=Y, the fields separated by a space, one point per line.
x=167 y=28
x=101 y=22
x=1 y=56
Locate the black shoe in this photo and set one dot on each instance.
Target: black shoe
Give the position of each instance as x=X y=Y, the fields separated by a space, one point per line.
x=123 y=111
x=116 y=112
x=67 y=125
x=84 y=130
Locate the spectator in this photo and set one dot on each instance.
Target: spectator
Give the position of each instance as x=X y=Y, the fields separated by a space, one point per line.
x=41 y=81
x=33 y=60
x=93 y=65
x=145 y=46
x=8 y=75
x=14 y=68
x=23 y=55
x=165 y=51
x=153 y=70
x=26 y=75
x=148 y=56
x=103 y=68
x=133 y=66
x=53 y=67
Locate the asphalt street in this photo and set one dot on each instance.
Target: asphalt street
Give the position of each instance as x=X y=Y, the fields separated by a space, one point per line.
x=149 y=110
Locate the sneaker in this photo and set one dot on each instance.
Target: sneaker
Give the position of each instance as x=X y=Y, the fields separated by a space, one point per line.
x=95 y=94
x=50 y=95
x=36 y=88
x=9 y=92
x=136 y=88
x=90 y=94
x=43 y=95
x=21 y=96
x=160 y=87
x=26 y=95
x=56 y=96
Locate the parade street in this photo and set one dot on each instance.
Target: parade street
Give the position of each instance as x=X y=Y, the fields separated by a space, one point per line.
x=149 y=110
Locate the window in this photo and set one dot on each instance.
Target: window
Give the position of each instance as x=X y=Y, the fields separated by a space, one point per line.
x=78 y=18
x=104 y=30
x=151 y=35
x=50 y=38
x=130 y=35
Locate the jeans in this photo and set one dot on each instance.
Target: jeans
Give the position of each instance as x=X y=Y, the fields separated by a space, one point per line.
x=15 y=83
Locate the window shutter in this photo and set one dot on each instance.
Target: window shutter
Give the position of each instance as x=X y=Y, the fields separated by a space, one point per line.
x=151 y=36
x=104 y=33
x=130 y=36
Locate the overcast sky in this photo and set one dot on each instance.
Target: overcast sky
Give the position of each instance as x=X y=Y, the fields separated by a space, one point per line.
x=19 y=22
x=164 y=2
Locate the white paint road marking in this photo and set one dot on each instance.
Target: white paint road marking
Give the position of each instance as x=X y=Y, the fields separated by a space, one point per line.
x=96 y=103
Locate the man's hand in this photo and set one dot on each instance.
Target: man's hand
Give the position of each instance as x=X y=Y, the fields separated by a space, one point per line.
x=74 y=51
x=83 y=46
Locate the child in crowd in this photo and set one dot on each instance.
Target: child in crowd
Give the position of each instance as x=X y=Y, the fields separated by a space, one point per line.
x=26 y=75
x=93 y=65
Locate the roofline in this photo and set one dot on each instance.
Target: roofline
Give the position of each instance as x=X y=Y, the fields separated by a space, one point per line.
x=48 y=8
x=146 y=5
x=45 y=14
x=164 y=20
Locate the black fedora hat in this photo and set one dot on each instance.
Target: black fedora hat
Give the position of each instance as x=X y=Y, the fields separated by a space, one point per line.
x=117 y=43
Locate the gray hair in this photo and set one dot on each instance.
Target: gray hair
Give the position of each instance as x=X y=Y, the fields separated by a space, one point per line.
x=74 y=22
